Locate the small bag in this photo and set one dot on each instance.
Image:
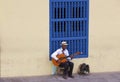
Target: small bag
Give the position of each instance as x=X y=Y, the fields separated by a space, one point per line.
x=84 y=69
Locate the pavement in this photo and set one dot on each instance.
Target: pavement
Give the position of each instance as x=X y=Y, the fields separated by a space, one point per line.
x=93 y=77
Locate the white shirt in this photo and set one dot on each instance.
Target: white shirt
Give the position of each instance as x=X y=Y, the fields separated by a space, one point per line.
x=60 y=51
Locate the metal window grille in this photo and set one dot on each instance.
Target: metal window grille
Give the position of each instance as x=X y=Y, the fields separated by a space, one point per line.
x=69 y=22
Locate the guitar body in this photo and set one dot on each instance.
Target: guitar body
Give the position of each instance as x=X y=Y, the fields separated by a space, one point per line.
x=62 y=59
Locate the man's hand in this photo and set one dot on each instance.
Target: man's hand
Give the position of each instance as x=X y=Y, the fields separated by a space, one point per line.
x=58 y=61
x=79 y=53
x=72 y=56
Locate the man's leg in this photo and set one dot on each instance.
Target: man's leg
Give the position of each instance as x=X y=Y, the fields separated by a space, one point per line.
x=71 y=65
x=65 y=65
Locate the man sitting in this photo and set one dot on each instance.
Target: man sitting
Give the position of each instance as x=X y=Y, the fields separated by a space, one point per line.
x=67 y=65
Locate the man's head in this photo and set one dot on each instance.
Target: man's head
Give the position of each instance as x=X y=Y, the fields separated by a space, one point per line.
x=64 y=45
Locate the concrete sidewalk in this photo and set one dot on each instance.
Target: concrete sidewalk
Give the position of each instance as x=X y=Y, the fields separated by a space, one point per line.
x=93 y=77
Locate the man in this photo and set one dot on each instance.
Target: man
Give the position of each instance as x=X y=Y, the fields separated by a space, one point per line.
x=67 y=65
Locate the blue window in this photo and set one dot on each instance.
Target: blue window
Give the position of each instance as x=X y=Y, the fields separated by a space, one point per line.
x=69 y=21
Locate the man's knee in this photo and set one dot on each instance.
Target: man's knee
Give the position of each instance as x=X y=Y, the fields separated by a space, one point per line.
x=71 y=64
x=66 y=65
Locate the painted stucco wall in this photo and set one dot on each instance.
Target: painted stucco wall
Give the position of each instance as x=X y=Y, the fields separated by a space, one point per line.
x=24 y=37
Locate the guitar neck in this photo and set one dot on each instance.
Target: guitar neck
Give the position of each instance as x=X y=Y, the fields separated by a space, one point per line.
x=74 y=54
x=69 y=56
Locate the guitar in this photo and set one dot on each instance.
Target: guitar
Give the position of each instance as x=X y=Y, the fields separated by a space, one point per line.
x=63 y=58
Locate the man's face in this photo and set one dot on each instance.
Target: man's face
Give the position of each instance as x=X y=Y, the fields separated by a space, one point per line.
x=64 y=46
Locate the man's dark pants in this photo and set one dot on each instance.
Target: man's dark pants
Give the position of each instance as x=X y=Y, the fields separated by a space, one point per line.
x=68 y=68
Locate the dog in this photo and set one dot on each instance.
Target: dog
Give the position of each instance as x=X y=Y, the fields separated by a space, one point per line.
x=83 y=69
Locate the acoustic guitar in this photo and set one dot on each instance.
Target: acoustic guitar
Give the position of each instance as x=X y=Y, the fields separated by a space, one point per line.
x=63 y=58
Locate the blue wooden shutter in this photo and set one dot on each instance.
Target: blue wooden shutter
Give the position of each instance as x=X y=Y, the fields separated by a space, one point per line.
x=69 y=22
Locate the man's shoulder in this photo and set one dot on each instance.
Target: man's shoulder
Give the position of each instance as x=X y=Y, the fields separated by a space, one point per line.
x=66 y=50
x=59 y=49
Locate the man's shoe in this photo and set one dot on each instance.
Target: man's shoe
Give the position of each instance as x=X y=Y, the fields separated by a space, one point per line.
x=71 y=76
x=65 y=77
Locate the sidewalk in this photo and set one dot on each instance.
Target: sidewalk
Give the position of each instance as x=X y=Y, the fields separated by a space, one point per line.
x=93 y=77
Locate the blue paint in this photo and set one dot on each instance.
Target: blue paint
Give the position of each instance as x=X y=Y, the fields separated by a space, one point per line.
x=69 y=21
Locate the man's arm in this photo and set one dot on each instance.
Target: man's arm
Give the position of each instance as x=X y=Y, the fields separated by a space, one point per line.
x=67 y=54
x=54 y=55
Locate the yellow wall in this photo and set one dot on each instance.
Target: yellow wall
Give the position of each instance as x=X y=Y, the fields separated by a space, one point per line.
x=24 y=39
